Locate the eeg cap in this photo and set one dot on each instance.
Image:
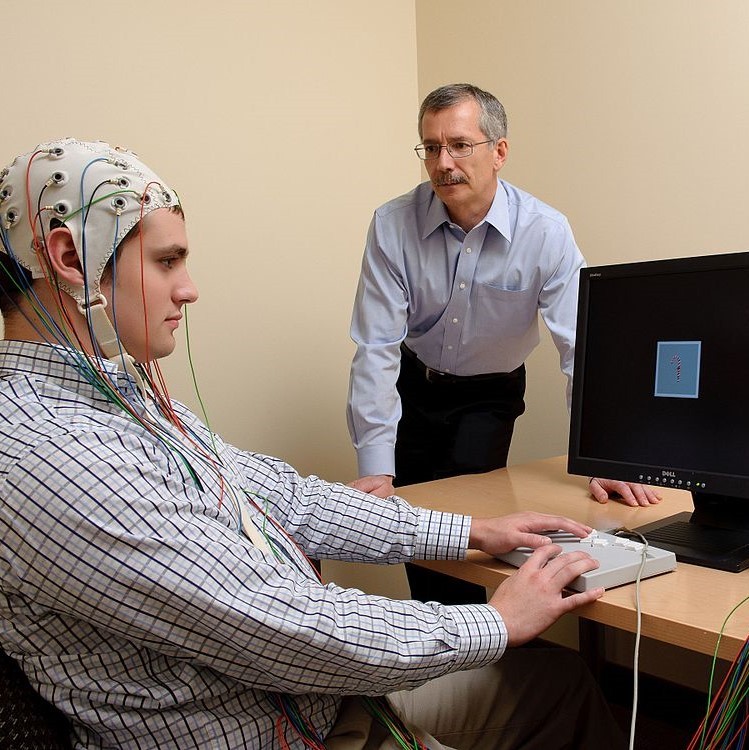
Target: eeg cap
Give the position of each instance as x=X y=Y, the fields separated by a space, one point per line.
x=99 y=192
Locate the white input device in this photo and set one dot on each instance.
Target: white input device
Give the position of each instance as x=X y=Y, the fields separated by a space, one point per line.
x=620 y=558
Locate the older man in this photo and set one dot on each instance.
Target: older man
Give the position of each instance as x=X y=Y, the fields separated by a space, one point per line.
x=454 y=276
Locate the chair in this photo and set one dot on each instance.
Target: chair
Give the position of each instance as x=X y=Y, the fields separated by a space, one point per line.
x=27 y=721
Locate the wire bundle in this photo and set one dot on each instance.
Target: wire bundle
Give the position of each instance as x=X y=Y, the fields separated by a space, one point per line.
x=289 y=713
x=378 y=707
x=384 y=713
x=726 y=722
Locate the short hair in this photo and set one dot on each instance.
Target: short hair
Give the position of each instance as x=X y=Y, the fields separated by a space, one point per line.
x=15 y=281
x=492 y=116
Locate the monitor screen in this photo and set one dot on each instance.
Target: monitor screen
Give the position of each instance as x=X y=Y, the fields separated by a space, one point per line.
x=661 y=393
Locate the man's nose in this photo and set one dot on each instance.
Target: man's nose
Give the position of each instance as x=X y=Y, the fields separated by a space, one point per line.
x=444 y=160
x=187 y=292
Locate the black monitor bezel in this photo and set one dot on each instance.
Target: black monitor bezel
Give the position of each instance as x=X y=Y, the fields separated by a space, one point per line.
x=736 y=485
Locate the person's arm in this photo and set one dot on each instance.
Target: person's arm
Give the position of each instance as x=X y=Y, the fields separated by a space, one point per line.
x=129 y=545
x=558 y=307
x=527 y=603
x=334 y=521
x=378 y=326
x=557 y=300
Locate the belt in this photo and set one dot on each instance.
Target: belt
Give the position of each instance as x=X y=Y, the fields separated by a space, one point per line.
x=437 y=376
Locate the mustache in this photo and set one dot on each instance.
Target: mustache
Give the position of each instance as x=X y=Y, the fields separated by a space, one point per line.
x=449 y=179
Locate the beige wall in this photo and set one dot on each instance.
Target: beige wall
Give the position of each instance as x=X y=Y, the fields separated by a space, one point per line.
x=630 y=117
x=282 y=125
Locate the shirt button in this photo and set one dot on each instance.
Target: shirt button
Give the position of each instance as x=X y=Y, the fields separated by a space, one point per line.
x=462 y=285
x=449 y=346
x=455 y=320
x=468 y=250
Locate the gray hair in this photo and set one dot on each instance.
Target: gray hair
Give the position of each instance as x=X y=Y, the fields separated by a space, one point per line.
x=492 y=117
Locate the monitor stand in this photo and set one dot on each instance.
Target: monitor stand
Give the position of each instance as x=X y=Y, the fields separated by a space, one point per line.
x=715 y=535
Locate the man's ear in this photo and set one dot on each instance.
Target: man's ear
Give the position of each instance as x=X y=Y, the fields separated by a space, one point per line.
x=500 y=153
x=63 y=257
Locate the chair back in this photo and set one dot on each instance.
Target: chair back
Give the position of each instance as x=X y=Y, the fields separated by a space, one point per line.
x=27 y=721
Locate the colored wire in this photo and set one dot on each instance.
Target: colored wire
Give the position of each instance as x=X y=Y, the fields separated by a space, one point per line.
x=383 y=712
x=726 y=719
x=290 y=713
x=186 y=445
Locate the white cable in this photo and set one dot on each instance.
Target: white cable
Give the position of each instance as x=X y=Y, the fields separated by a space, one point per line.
x=636 y=661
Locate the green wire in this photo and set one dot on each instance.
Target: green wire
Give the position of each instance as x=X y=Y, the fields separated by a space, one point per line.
x=195 y=381
x=381 y=710
x=712 y=671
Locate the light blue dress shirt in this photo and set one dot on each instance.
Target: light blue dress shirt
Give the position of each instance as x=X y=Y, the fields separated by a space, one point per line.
x=465 y=303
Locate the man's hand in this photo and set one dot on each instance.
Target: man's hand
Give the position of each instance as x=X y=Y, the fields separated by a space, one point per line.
x=380 y=485
x=504 y=533
x=532 y=599
x=629 y=493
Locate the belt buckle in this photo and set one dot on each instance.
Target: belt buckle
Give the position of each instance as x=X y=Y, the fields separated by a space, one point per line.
x=435 y=376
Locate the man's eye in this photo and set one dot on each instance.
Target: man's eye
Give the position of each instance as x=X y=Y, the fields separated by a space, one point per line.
x=168 y=262
x=461 y=147
x=430 y=149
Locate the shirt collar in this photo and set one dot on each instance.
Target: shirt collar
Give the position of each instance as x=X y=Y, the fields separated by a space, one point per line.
x=58 y=364
x=498 y=215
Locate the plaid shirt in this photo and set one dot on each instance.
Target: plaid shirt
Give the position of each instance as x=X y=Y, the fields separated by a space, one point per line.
x=135 y=604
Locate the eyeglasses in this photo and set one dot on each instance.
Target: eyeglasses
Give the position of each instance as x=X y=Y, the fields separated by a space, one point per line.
x=456 y=149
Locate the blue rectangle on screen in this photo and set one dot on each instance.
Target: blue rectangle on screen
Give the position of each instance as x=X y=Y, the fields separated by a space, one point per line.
x=677 y=369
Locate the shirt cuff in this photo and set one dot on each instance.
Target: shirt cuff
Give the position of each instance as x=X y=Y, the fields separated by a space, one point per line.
x=481 y=634
x=376 y=459
x=441 y=536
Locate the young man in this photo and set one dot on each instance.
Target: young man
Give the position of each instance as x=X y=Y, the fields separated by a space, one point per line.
x=153 y=579
x=454 y=276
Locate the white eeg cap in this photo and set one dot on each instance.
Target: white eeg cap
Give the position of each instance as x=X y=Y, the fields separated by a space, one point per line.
x=99 y=192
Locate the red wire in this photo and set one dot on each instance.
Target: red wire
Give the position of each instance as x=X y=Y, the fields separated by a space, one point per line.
x=707 y=721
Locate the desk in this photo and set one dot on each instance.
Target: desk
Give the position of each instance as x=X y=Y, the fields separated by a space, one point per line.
x=685 y=608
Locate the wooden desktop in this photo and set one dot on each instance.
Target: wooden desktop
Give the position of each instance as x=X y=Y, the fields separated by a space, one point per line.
x=686 y=607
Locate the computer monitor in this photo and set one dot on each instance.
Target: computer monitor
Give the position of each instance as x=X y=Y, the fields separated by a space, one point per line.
x=661 y=394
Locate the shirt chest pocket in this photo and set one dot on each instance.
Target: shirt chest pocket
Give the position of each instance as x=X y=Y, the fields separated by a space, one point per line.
x=504 y=312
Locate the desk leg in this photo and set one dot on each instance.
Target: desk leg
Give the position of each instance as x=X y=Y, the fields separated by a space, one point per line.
x=592 y=644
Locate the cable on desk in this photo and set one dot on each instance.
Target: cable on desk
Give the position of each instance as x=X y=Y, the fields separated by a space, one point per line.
x=638 y=631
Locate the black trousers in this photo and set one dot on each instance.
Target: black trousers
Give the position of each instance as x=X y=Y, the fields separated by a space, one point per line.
x=452 y=426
